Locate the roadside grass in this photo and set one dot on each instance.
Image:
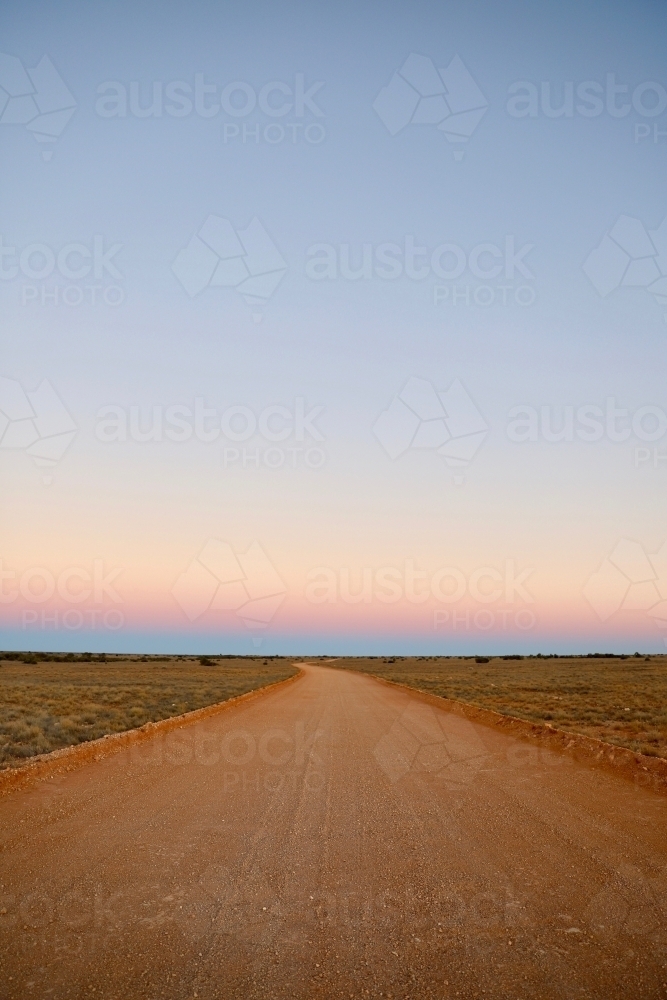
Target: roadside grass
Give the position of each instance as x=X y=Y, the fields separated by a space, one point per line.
x=619 y=700
x=46 y=704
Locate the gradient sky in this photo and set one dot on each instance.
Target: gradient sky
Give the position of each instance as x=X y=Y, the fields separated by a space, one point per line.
x=338 y=502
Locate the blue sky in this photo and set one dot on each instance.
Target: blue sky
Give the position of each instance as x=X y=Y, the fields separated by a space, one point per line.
x=527 y=199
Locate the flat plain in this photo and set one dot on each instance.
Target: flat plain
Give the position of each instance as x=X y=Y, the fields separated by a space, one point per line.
x=46 y=704
x=332 y=838
x=621 y=700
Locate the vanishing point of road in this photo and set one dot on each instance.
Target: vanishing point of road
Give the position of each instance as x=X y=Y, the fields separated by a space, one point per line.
x=334 y=837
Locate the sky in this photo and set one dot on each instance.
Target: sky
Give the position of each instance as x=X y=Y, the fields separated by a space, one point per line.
x=333 y=328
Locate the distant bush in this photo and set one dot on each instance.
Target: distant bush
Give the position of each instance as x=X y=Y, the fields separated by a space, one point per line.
x=481 y=659
x=206 y=661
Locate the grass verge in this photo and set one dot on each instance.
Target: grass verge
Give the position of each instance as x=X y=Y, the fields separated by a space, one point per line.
x=46 y=704
x=621 y=700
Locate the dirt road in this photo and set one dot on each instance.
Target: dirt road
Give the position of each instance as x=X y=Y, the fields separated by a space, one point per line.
x=334 y=838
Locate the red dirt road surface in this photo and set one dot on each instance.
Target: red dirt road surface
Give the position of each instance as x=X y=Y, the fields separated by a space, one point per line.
x=335 y=837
